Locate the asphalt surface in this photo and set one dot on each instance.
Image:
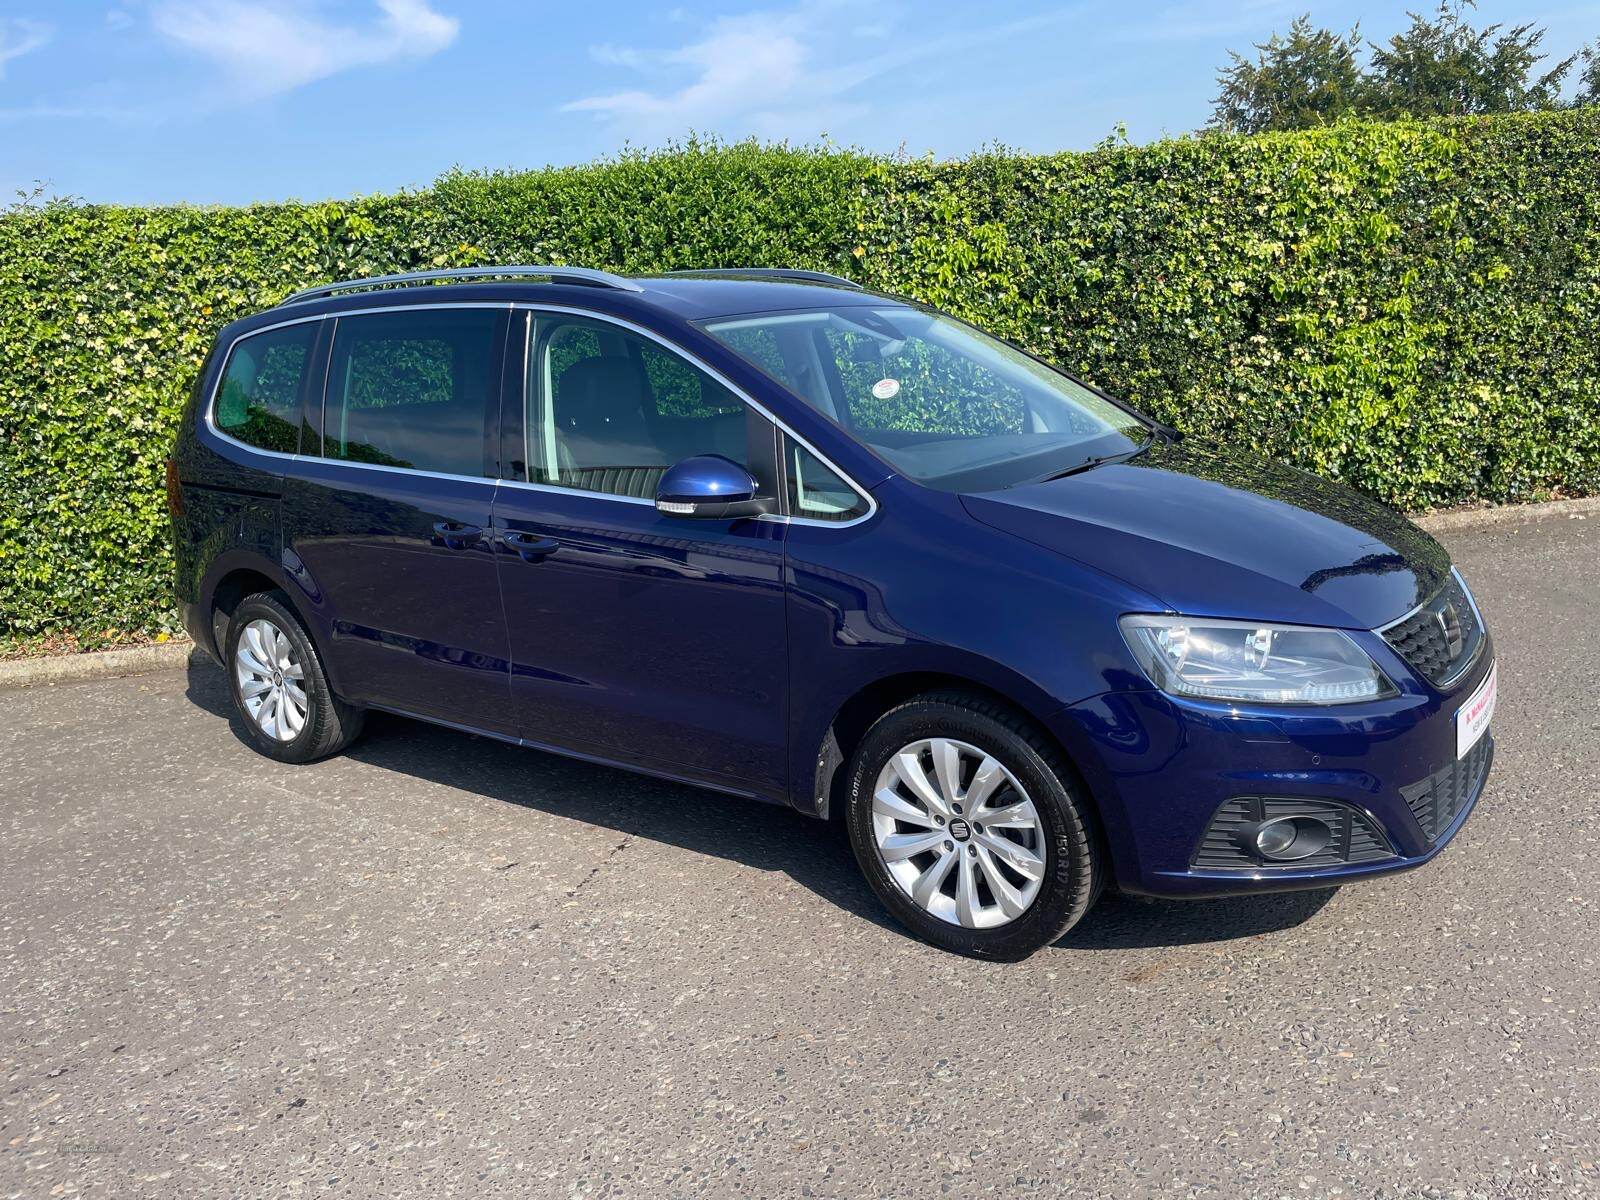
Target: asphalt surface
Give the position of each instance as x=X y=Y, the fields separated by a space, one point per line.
x=440 y=966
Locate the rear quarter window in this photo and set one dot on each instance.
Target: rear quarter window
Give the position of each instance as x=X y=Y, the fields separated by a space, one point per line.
x=258 y=399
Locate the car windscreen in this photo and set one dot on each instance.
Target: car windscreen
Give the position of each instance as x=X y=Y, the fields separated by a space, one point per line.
x=939 y=400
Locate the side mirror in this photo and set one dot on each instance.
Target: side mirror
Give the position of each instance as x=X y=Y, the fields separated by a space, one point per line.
x=709 y=487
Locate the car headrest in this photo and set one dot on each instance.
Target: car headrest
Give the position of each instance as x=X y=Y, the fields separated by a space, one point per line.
x=603 y=398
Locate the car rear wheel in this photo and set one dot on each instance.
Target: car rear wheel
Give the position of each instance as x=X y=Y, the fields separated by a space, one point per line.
x=971 y=828
x=279 y=687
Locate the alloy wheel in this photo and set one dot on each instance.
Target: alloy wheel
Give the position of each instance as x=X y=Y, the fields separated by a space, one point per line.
x=958 y=833
x=271 y=680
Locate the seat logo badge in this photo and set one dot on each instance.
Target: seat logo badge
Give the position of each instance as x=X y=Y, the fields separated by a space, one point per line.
x=1450 y=626
x=960 y=830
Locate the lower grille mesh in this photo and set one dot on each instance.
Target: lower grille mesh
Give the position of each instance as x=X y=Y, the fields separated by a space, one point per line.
x=1438 y=800
x=1226 y=845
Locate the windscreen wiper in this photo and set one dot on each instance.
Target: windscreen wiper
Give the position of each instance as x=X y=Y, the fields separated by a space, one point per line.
x=1098 y=460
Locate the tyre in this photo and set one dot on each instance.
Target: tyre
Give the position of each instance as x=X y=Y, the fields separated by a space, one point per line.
x=971 y=828
x=279 y=686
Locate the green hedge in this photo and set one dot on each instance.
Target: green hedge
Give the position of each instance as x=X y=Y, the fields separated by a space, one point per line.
x=1410 y=307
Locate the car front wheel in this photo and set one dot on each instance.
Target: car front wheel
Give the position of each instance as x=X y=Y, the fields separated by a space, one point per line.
x=971 y=828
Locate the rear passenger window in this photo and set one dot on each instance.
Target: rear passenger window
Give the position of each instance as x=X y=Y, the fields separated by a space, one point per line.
x=413 y=390
x=610 y=411
x=258 y=402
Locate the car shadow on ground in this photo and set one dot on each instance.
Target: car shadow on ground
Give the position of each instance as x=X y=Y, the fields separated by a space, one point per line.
x=814 y=854
x=1138 y=923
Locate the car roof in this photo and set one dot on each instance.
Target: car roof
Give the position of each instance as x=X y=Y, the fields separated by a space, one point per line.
x=696 y=296
x=704 y=296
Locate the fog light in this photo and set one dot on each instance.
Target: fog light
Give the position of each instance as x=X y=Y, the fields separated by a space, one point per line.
x=1289 y=838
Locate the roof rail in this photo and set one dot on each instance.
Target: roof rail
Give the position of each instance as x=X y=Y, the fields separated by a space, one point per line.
x=776 y=273
x=557 y=274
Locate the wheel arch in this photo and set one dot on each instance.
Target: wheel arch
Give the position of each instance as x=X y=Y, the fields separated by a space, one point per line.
x=856 y=713
x=233 y=577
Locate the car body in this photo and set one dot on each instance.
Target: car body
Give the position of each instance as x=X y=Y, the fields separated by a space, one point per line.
x=489 y=568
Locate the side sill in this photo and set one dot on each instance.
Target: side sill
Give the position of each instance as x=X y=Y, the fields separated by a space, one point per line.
x=598 y=760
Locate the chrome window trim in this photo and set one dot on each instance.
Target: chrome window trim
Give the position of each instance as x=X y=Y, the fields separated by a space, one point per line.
x=365 y=466
x=701 y=364
x=512 y=306
x=557 y=489
x=210 y=413
x=216 y=387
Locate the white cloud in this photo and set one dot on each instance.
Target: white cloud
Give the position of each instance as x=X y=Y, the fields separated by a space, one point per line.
x=742 y=63
x=270 y=46
x=777 y=73
x=619 y=56
x=19 y=36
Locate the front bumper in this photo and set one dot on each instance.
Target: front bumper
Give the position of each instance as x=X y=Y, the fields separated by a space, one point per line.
x=1161 y=768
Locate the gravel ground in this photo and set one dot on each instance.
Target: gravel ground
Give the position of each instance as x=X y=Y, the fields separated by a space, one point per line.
x=440 y=966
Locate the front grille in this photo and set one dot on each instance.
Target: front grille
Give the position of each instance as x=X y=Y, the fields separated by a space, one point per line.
x=1226 y=845
x=1440 y=798
x=1440 y=638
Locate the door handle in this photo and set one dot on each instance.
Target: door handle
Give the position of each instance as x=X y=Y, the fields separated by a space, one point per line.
x=456 y=535
x=532 y=546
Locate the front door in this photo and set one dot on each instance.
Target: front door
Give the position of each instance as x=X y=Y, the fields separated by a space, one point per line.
x=390 y=522
x=634 y=636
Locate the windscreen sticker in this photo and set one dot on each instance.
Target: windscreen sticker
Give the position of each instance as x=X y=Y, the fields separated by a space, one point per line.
x=886 y=389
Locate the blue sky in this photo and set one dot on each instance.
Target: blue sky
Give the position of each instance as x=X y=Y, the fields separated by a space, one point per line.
x=227 y=101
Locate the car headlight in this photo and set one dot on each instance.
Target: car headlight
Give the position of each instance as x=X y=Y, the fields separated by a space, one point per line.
x=1253 y=661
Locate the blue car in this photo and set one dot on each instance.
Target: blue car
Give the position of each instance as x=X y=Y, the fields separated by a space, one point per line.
x=766 y=532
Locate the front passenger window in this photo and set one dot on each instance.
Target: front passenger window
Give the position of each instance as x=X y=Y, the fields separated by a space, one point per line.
x=609 y=411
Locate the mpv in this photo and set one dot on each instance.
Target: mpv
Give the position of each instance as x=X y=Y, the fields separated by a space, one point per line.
x=769 y=533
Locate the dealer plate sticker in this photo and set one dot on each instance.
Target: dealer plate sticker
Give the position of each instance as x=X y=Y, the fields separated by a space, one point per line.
x=1473 y=717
